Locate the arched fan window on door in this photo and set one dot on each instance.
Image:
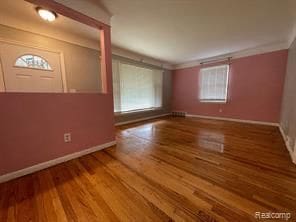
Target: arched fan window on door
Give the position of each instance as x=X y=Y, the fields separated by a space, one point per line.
x=32 y=62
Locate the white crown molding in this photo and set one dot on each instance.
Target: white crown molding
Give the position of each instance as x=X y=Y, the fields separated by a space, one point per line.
x=243 y=53
x=141 y=58
x=292 y=37
x=50 y=163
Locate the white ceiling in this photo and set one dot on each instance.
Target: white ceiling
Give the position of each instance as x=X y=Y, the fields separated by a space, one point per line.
x=180 y=31
x=172 y=31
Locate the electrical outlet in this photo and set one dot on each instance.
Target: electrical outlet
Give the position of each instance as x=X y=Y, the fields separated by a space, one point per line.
x=67 y=137
x=220 y=110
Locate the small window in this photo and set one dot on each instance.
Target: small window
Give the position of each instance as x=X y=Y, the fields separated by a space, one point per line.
x=32 y=62
x=214 y=83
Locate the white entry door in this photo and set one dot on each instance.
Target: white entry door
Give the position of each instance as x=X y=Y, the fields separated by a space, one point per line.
x=28 y=69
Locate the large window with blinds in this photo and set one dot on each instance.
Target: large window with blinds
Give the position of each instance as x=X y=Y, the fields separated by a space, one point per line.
x=136 y=88
x=213 y=83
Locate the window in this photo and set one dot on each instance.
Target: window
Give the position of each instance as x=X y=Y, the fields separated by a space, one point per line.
x=33 y=62
x=136 y=88
x=214 y=83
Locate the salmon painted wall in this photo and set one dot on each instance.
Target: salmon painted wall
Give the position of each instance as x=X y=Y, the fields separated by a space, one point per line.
x=254 y=93
x=32 y=126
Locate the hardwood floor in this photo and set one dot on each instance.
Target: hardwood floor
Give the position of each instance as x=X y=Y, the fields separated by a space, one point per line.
x=170 y=169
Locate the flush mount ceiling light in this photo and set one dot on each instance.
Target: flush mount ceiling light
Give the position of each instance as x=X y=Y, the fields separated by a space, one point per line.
x=46 y=14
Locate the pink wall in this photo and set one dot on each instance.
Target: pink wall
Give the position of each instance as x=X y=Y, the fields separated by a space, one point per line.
x=32 y=126
x=254 y=93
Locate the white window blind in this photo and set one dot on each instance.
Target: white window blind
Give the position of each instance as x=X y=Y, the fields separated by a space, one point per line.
x=214 y=83
x=136 y=88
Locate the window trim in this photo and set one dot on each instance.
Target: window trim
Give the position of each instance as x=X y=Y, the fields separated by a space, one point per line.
x=137 y=111
x=217 y=101
x=213 y=101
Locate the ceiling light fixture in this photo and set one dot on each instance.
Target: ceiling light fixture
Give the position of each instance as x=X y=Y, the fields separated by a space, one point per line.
x=47 y=15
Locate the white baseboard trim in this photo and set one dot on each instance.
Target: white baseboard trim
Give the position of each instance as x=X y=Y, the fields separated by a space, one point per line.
x=289 y=148
x=233 y=120
x=44 y=165
x=141 y=119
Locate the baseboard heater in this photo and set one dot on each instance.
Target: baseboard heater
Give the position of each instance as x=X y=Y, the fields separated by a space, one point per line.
x=179 y=114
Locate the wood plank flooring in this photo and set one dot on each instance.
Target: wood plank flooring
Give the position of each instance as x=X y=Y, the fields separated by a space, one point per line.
x=169 y=169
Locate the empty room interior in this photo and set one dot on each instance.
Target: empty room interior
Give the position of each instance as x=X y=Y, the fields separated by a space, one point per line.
x=147 y=110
